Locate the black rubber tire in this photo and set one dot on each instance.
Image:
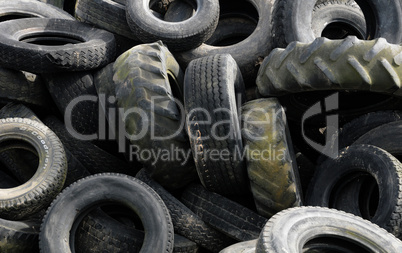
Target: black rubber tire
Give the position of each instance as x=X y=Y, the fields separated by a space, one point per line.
x=289 y=230
x=212 y=83
x=67 y=87
x=94 y=159
x=306 y=169
x=178 y=36
x=69 y=208
x=348 y=64
x=336 y=19
x=187 y=223
x=274 y=179
x=28 y=8
x=15 y=87
x=91 y=48
x=292 y=20
x=360 y=161
x=226 y=216
x=247 y=53
x=148 y=77
x=108 y=15
x=34 y=195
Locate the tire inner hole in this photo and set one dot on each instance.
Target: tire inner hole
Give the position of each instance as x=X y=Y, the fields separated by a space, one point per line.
x=12 y=16
x=173 y=10
x=333 y=244
x=48 y=39
x=340 y=30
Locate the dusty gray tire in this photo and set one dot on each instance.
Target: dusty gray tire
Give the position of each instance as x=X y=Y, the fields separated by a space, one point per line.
x=349 y=64
x=361 y=162
x=213 y=88
x=293 y=20
x=71 y=206
x=82 y=46
x=295 y=229
x=47 y=182
x=179 y=36
x=247 y=53
x=148 y=78
x=274 y=177
x=28 y=8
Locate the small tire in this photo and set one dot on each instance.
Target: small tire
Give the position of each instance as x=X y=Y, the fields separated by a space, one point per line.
x=214 y=84
x=77 y=200
x=34 y=195
x=294 y=229
x=87 y=48
x=178 y=36
x=274 y=179
x=360 y=162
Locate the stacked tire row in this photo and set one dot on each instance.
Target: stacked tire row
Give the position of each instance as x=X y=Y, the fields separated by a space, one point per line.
x=200 y=126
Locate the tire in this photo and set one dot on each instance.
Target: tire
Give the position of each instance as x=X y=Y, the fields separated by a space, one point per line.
x=193 y=31
x=224 y=215
x=185 y=222
x=303 y=224
x=108 y=15
x=58 y=3
x=306 y=169
x=68 y=209
x=247 y=53
x=360 y=162
x=212 y=83
x=65 y=88
x=94 y=159
x=293 y=20
x=19 y=236
x=348 y=64
x=178 y=11
x=274 y=180
x=241 y=247
x=32 y=196
x=27 y=8
x=149 y=78
x=88 y=47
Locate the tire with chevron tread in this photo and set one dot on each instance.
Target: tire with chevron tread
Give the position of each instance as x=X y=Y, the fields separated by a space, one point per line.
x=274 y=178
x=293 y=20
x=349 y=64
x=284 y=233
x=148 y=78
x=362 y=162
x=187 y=223
x=28 y=8
x=213 y=89
x=226 y=216
x=34 y=195
x=71 y=206
x=178 y=36
x=82 y=46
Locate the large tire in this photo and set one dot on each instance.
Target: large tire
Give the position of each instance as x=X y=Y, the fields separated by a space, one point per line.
x=29 y=8
x=179 y=36
x=148 y=78
x=187 y=223
x=247 y=53
x=295 y=229
x=73 y=203
x=274 y=177
x=359 y=162
x=83 y=47
x=226 y=216
x=211 y=84
x=46 y=183
x=348 y=64
x=293 y=20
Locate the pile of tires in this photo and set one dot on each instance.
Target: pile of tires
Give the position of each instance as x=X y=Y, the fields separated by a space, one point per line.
x=200 y=126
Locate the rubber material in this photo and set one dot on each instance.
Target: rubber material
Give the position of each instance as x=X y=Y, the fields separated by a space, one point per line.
x=87 y=48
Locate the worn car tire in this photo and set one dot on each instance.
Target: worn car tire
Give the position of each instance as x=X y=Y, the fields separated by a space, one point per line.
x=74 y=202
x=349 y=64
x=295 y=229
x=274 y=177
x=212 y=84
x=84 y=47
x=178 y=36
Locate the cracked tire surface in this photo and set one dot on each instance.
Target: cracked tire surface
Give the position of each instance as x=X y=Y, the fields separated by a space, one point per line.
x=349 y=64
x=275 y=182
x=213 y=84
x=93 y=47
